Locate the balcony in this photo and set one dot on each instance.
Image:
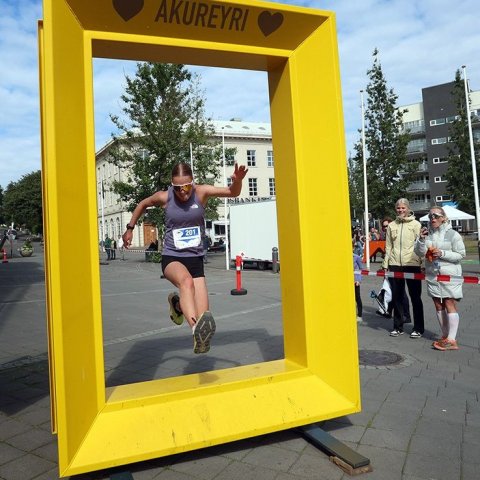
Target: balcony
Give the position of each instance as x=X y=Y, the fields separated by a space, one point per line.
x=419 y=187
x=417 y=148
x=422 y=167
x=416 y=130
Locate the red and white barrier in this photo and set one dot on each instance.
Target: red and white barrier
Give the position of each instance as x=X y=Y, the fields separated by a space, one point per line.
x=420 y=276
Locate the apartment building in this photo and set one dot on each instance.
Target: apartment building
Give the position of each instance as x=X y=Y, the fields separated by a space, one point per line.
x=428 y=123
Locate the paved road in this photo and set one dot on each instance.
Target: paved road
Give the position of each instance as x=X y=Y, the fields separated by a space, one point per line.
x=420 y=418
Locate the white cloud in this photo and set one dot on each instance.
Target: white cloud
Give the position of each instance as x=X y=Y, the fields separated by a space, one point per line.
x=421 y=43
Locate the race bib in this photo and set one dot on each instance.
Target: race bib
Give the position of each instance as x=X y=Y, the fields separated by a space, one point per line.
x=186 y=237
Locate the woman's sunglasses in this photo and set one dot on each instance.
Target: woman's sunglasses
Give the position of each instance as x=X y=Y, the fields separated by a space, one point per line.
x=186 y=187
x=432 y=216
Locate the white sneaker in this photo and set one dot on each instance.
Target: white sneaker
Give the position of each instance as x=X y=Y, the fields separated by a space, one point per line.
x=396 y=333
x=359 y=319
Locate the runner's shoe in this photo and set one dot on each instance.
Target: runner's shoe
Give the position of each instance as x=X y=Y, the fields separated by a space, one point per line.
x=176 y=314
x=203 y=331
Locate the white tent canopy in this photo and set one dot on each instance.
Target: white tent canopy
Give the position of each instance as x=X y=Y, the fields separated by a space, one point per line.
x=452 y=214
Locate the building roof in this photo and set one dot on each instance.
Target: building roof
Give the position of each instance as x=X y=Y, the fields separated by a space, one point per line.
x=244 y=129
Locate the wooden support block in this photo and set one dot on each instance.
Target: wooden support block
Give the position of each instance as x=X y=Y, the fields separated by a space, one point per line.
x=349 y=469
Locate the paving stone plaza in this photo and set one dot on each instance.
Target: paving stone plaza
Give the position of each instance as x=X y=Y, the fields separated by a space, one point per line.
x=420 y=416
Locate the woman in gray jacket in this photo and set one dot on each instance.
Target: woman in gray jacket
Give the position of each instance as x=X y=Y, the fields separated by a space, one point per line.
x=443 y=249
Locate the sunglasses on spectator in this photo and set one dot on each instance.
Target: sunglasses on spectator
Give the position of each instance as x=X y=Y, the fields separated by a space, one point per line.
x=186 y=187
x=432 y=216
x=385 y=226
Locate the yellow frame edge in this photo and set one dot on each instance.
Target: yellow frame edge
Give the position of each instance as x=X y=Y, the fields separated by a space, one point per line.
x=318 y=379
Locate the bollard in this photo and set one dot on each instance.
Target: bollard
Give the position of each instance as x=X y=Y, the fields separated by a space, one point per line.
x=4 y=256
x=238 y=266
x=275 y=266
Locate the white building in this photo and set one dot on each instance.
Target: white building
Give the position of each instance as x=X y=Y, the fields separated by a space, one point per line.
x=253 y=145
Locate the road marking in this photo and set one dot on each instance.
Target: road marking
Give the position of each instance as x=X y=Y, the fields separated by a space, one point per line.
x=43 y=356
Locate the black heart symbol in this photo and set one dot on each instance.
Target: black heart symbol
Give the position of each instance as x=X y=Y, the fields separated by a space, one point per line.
x=127 y=9
x=269 y=22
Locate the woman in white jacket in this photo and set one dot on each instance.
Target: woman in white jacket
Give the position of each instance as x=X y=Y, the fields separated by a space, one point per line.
x=443 y=249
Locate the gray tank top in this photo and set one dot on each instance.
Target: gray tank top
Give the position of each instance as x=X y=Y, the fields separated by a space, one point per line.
x=184 y=226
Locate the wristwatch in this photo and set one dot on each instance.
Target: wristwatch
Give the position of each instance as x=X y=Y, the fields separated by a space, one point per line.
x=129 y=227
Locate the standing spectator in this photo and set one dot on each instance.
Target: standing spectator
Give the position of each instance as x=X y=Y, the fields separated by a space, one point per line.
x=443 y=249
x=406 y=308
x=373 y=236
x=400 y=257
x=357 y=265
x=114 y=249
x=385 y=222
x=108 y=246
x=120 y=246
x=358 y=243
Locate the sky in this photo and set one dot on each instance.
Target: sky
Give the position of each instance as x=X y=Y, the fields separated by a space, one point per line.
x=421 y=43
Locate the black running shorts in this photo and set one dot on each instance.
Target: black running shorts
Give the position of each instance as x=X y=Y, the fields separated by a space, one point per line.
x=194 y=265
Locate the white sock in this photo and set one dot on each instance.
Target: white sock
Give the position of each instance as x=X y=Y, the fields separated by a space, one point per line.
x=443 y=322
x=453 y=321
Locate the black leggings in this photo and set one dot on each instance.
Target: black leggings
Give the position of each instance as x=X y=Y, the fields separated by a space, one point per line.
x=398 y=295
x=358 y=300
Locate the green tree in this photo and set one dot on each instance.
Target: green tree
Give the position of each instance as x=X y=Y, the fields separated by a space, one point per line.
x=388 y=171
x=22 y=202
x=164 y=115
x=459 y=171
x=2 y=219
x=355 y=182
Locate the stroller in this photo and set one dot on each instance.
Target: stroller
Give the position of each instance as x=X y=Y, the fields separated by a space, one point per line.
x=383 y=298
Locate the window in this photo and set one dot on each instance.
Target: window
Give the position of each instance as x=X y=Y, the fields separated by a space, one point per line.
x=440 y=160
x=251 y=162
x=452 y=118
x=442 y=198
x=271 y=186
x=252 y=187
x=437 y=121
x=229 y=158
x=439 y=141
x=438 y=180
x=269 y=158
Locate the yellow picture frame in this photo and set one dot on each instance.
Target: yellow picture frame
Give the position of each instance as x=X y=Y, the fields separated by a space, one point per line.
x=318 y=378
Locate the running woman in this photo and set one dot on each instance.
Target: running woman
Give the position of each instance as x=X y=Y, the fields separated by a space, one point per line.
x=182 y=255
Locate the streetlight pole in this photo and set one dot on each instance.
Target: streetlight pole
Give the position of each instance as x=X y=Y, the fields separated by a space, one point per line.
x=102 y=195
x=472 y=154
x=191 y=159
x=227 y=249
x=365 y=189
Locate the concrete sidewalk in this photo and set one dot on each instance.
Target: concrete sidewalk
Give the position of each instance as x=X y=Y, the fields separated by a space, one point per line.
x=420 y=417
